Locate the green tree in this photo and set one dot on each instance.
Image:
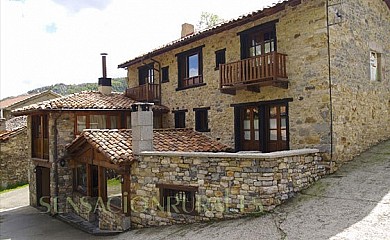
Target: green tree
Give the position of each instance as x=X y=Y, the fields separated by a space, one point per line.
x=208 y=20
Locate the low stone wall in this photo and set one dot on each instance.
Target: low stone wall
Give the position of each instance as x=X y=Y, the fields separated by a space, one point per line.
x=229 y=184
x=14 y=158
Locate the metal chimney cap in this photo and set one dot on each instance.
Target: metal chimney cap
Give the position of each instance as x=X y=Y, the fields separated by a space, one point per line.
x=103 y=54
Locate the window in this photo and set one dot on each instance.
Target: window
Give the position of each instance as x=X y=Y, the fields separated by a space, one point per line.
x=165 y=74
x=201 y=119
x=180 y=119
x=258 y=41
x=114 y=188
x=262 y=126
x=220 y=58
x=375 y=66
x=190 y=67
x=40 y=136
x=146 y=74
x=178 y=199
x=97 y=121
x=80 y=179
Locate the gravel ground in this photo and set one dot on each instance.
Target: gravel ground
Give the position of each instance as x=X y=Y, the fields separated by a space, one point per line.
x=353 y=203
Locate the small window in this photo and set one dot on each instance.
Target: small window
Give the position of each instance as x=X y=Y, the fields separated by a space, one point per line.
x=114 y=122
x=180 y=119
x=178 y=199
x=128 y=121
x=375 y=66
x=220 y=58
x=165 y=74
x=201 y=120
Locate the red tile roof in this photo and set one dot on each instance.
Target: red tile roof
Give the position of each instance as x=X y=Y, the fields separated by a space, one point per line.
x=12 y=100
x=116 y=145
x=87 y=100
x=5 y=135
x=267 y=11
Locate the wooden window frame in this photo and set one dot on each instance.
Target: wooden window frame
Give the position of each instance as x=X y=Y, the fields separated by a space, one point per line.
x=184 y=81
x=146 y=74
x=166 y=189
x=263 y=122
x=202 y=122
x=120 y=121
x=40 y=136
x=269 y=27
x=165 y=74
x=177 y=118
x=220 y=58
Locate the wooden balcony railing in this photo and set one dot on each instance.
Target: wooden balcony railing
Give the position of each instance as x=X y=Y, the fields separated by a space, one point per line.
x=263 y=70
x=148 y=92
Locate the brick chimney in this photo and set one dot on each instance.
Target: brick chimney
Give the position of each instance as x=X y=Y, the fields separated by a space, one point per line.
x=187 y=29
x=142 y=127
x=104 y=84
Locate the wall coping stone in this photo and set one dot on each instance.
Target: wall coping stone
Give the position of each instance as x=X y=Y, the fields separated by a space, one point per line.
x=248 y=154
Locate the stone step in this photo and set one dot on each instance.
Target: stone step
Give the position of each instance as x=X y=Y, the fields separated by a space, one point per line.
x=82 y=224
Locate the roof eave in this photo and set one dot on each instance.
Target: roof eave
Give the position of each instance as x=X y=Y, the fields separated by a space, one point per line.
x=226 y=26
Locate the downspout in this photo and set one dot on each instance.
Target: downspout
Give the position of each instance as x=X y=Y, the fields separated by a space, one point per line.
x=159 y=79
x=55 y=155
x=329 y=80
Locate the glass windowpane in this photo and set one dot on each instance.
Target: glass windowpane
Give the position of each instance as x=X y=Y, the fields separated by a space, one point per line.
x=81 y=123
x=97 y=122
x=272 y=123
x=273 y=135
x=284 y=135
x=193 y=65
x=247 y=135
x=114 y=122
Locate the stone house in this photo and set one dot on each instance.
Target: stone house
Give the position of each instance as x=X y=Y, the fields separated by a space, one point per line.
x=13 y=138
x=13 y=157
x=12 y=103
x=299 y=74
x=272 y=98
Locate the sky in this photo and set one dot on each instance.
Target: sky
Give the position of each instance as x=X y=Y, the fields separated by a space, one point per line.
x=44 y=42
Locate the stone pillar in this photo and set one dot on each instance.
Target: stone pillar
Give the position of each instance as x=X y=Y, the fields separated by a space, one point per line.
x=142 y=127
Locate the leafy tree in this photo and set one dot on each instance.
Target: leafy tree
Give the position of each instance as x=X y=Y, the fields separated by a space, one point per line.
x=208 y=20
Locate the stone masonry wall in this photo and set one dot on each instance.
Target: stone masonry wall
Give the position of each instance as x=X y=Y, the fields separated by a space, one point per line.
x=361 y=107
x=229 y=185
x=14 y=159
x=301 y=34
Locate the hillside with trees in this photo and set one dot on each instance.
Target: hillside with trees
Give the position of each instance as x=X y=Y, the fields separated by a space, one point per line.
x=118 y=85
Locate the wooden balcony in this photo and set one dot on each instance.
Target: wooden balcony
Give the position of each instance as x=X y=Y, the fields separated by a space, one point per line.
x=252 y=73
x=148 y=92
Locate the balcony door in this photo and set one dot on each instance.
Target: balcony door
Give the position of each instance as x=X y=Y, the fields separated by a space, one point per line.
x=146 y=74
x=250 y=135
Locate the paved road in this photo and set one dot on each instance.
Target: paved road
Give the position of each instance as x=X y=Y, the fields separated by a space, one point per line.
x=353 y=203
x=14 y=199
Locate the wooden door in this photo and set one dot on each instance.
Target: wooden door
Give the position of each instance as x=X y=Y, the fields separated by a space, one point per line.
x=43 y=185
x=277 y=128
x=250 y=135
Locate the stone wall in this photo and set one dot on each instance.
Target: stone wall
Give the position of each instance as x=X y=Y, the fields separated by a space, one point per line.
x=361 y=107
x=14 y=158
x=301 y=34
x=229 y=184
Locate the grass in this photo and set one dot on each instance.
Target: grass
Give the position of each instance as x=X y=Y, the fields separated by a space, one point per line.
x=113 y=182
x=13 y=187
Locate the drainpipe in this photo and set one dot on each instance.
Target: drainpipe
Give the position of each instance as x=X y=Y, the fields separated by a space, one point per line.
x=159 y=79
x=55 y=153
x=330 y=80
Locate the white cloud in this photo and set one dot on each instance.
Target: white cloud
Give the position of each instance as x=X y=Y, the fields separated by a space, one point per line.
x=33 y=57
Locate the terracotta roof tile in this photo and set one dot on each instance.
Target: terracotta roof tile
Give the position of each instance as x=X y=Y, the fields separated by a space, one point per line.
x=116 y=145
x=87 y=100
x=278 y=5
x=5 y=135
